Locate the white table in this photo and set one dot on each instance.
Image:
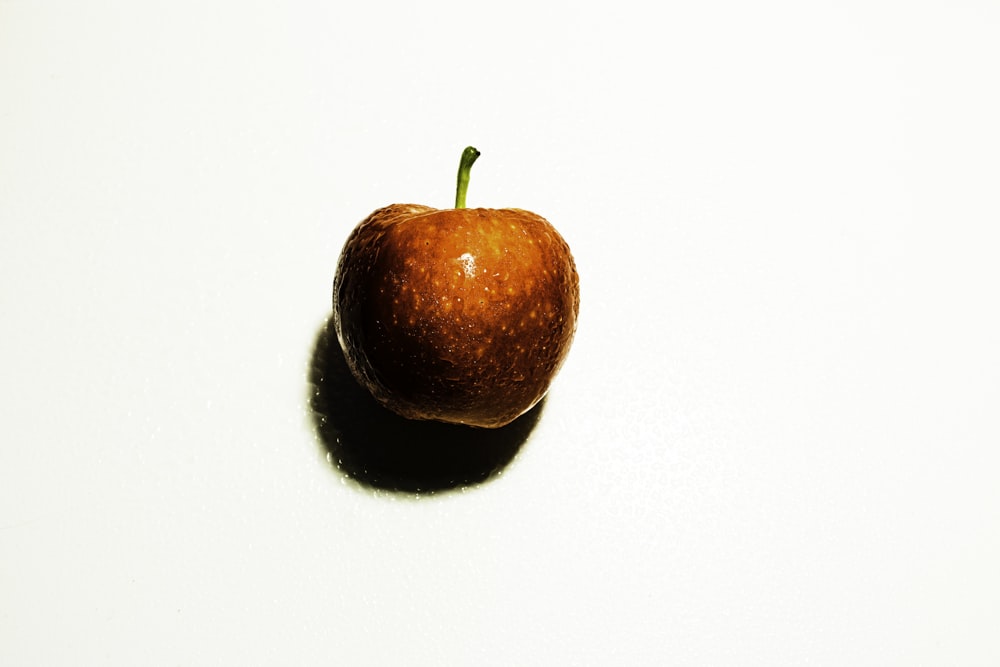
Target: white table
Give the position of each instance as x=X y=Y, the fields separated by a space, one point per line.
x=775 y=441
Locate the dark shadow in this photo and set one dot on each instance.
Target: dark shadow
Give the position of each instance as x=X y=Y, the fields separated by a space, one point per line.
x=380 y=449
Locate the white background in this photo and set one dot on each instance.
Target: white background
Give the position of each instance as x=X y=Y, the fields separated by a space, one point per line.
x=774 y=441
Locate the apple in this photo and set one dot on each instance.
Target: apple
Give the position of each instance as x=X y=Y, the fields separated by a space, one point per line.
x=457 y=315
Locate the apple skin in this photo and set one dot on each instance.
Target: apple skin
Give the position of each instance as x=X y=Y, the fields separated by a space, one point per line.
x=456 y=315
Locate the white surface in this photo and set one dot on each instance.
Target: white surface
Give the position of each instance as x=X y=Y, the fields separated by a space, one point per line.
x=775 y=440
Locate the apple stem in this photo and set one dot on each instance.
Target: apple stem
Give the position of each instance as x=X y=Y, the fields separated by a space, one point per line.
x=469 y=156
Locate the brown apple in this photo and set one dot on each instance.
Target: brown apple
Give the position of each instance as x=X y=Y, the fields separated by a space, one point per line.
x=457 y=315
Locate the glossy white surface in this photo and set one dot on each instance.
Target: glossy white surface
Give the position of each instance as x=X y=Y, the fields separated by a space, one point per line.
x=774 y=442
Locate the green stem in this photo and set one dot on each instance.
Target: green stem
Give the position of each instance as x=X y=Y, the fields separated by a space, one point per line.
x=469 y=156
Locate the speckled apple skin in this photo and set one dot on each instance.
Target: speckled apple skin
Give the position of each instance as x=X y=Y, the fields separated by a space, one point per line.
x=456 y=315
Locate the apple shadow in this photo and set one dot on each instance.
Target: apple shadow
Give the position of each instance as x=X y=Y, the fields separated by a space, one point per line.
x=381 y=450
